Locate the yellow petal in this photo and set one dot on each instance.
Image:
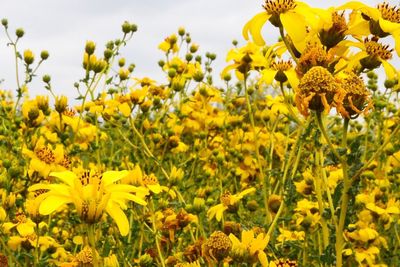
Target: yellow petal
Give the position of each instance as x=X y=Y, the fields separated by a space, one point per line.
x=355 y=5
x=127 y=196
x=292 y=78
x=268 y=76
x=52 y=203
x=67 y=177
x=390 y=71
x=396 y=36
x=110 y=177
x=25 y=229
x=295 y=27
x=254 y=26
x=125 y=109
x=262 y=257
x=235 y=241
x=388 y=26
x=119 y=217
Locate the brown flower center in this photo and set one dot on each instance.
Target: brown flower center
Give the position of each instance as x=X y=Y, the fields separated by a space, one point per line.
x=45 y=154
x=281 y=65
x=276 y=7
x=390 y=13
x=375 y=49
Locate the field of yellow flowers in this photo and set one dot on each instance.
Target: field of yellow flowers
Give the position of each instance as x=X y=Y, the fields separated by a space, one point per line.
x=293 y=160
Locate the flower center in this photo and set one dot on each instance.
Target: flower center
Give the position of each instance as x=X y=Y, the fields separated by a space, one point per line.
x=317 y=80
x=313 y=55
x=281 y=65
x=90 y=177
x=69 y=112
x=218 y=246
x=45 y=154
x=375 y=49
x=226 y=198
x=149 y=179
x=66 y=162
x=85 y=255
x=389 y=13
x=278 y=6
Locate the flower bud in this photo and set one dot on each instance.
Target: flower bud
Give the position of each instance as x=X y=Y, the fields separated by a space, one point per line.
x=171 y=73
x=108 y=54
x=4 y=22
x=90 y=47
x=19 y=32
x=46 y=78
x=126 y=27
x=123 y=74
x=44 y=55
x=61 y=104
x=181 y=31
x=121 y=62
x=29 y=57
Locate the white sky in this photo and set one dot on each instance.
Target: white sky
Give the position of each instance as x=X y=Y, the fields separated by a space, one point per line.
x=63 y=26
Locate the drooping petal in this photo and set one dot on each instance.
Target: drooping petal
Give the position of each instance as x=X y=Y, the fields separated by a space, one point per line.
x=25 y=229
x=388 y=26
x=127 y=196
x=235 y=241
x=254 y=27
x=296 y=28
x=262 y=257
x=113 y=176
x=67 y=177
x=268 y=76
x=119 y=217
x=355 y=5
x=390 y=71
x=292 y=78
x=396 y=36
x=52 y=203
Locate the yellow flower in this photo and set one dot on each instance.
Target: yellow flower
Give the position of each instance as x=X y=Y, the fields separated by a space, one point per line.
x=92 y=194
x=381 y=21
x=293 y=16
x=246 y=58
x=253 y=246
x=25 y=226
x=372 y=55
x=227 y=201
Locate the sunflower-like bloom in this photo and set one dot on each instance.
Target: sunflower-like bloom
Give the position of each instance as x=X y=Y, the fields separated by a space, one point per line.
x=228 y=201
x=91 y=193
x=294 y=16
x=381 y=21
x=373 y=54
x=250 y=249
x=316 y=91
x=281 y=71
x=354 y=96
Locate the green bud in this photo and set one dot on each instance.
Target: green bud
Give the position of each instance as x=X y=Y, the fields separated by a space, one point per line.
x=134 y=28
x=131 y=67
x=213 y=56
x=44 y=55
x=198 y=59
x=171 y=73
x=181 y=31
x=4 y=22
x=90 y=47
x=161 y=63
x=126 y=27
x=121 y=62
x=235 y=42
x=19 y=32
x=189 y=57
x=33 y=114
x=108 y=54
x=110 y=45
x=198 y=76
x=46 y=78
x=389 y=83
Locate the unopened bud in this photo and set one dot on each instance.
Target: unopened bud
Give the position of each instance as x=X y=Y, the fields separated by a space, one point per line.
x=29 y=57
x=90 y=47
x=44 y=55
x=19 y=32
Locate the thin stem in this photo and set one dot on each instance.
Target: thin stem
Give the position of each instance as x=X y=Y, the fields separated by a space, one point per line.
x=326 y=136
x=344 y=200
x=92 y=243
x=265 y=185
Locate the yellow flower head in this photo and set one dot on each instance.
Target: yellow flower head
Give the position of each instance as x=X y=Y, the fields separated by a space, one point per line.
x=91 y=193
x=316 y=91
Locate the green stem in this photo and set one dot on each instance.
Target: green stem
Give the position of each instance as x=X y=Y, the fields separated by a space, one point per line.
x=326 y=136
x=155 y=232
x=344 y=200
x=265 y=185
x=92 y=243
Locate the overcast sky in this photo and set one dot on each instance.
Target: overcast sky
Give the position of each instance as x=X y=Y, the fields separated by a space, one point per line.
x=63 y=26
